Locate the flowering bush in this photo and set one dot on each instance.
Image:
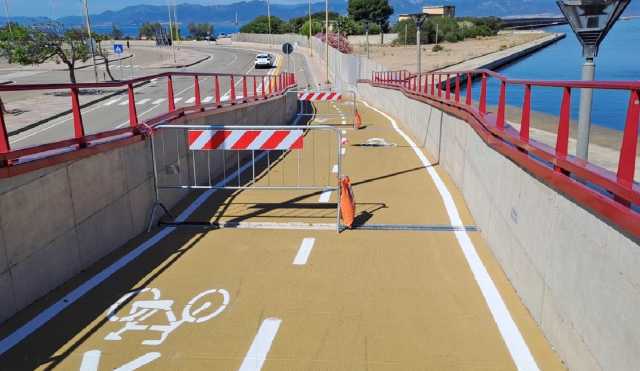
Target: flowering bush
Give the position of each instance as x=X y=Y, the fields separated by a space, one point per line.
x=337 y=41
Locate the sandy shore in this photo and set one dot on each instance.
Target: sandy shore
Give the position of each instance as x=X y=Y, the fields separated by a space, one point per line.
x=404 y=57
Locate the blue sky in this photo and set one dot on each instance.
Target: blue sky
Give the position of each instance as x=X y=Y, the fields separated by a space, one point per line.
x=59 y=8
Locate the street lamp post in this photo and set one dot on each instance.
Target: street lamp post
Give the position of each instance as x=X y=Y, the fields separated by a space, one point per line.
x=269 y=21
x=326 y=36
x=366 y=32
x=419 y=19
x=310 y=30
x=590 y=20
x=93 y=49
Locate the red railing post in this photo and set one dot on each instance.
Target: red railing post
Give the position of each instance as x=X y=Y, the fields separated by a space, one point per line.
x=469 y=97
x=270 y=84
x=78 y=126
x=232 y=96
x=196 y=88
x=502 y=105
x=245 y=92
x=440 y=85
x=629 y=149
x=457 y=96
x=425 y=87
x=483 y=94
x=255 y=88
x=172 y=102
x=433 y=85
x=448 y=96
x=525 y=121
x=562 y=142
x=133 y=114
x=216 y=87
x=4 y=137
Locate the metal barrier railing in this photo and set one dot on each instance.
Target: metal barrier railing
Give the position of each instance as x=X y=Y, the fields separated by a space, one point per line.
x=614 y=194
x=194 y=156
x=323 y=102
x=243 y=89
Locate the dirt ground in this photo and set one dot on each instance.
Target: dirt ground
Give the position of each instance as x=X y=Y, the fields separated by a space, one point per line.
x=404 y=57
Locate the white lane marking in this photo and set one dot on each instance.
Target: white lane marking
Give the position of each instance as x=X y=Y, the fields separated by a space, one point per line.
x=124 y=102
x=111 y=102
x=511 y=335
x=191 y=100
x=139 y=362
x=304 y=251
x=90 y=360
x=158 y=101
x=325 y=196
x=176 y=100
x=343 y=151
x=207 y=99
x=344 y=132
x=52 y=311
x=292 y=226
x=143 y=101
x=335 y=169
x=261 y=345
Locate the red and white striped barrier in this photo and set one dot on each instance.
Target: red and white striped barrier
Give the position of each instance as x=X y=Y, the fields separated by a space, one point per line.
x=320 y=97
x=266 y=140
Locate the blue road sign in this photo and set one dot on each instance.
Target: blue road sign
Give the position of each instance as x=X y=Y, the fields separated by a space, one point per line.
x=118 y=48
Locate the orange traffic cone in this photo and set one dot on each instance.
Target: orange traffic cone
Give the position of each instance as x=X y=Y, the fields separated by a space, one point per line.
x=358 y=120
x=347 y=202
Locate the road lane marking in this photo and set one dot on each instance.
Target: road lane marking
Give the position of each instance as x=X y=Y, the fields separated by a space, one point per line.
x=343 y=151
x=190 y=100
x=158 y=101
x=207 y=99
x=325 y=196
x=335 y=169
x=124 y=102
x=112 y=102
x=304 y=251
x=139 y=362
x=511 y=335
x=54 y=309
x=176 y=100
x=90 y=360
x=261 y=345
x=143 y=101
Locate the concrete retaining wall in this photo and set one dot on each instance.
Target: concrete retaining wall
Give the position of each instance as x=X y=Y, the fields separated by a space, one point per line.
x=58 y=221
x=577 y=275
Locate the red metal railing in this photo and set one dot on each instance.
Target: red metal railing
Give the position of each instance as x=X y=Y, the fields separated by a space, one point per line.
x=272 y=85
x=617 y=191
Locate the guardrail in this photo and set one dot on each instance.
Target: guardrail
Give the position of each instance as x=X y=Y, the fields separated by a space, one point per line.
x=272 y=85
x=614 y=195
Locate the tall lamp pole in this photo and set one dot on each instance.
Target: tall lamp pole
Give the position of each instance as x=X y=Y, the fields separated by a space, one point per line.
x=590 y=20
x=173 y=50
x=93 y=49
x=310 y=27
x=366 y=32
x=419 y=19
x=326 y=36
x=269 y=21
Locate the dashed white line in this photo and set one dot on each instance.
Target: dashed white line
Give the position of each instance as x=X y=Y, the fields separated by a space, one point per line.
x=124 y=102
x=158 y=101
x=190 y=100
x=335 y=169
x=343 y=151
x=112 y=101
x=207 y=99
x=261 y=345
x=176 y=100
x=325 y=196
x=304 y=251
x=143 y=101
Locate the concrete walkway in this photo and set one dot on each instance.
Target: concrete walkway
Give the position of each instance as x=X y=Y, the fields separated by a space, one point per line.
x=299 y=299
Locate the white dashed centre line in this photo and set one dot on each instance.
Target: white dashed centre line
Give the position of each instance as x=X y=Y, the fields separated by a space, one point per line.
x=261 y=345
x=304 y=251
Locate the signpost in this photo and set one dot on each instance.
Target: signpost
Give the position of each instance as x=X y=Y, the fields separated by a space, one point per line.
x=119 y=49
x=287 y=49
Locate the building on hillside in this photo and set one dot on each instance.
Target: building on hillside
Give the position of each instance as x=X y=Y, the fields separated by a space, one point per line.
x=433 y=11
x=440 y=10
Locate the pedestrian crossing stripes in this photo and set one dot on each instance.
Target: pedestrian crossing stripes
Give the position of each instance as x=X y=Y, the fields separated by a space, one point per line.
x=190 y=100
x=158 y=101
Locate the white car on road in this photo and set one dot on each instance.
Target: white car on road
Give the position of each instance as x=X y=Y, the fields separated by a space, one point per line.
x=264 y=61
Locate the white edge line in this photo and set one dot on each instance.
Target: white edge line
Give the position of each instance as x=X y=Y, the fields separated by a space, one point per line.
x=53 y=310
x=261 y=345
x=325 y=196
x=511 y=335
x=304 y=251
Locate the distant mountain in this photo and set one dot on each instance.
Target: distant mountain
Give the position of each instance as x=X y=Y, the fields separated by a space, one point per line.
x=223 y=16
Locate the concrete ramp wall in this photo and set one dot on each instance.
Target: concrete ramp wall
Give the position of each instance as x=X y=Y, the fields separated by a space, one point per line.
x=58 y=221
x=576 y=274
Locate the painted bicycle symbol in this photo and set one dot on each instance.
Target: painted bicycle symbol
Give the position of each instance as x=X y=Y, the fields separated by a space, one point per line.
x=198 y=310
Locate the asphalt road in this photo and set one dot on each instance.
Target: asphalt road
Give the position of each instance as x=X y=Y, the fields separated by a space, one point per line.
x=151 y=99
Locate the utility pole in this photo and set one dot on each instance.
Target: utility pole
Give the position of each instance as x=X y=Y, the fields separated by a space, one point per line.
x=366 y=32
x=419 y=19
x=6 y=13
x=93 y=49
x=326 y=35
x=175 y=20
x=269 y=22
x=310 y=28
x=173 y=49
x=406 y=31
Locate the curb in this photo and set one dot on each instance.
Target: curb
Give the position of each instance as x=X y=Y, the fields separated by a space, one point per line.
x=184 y=65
